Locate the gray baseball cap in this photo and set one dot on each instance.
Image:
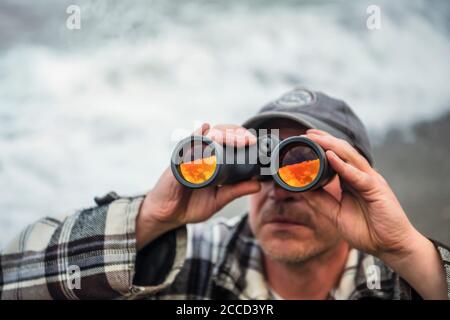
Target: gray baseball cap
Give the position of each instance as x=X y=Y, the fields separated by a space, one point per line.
x=316 y=110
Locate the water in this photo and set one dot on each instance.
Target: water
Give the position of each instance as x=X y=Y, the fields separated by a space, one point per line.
x=83 y=112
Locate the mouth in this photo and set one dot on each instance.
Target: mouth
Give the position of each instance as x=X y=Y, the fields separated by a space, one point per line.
x=282 y=216
x=284 y=221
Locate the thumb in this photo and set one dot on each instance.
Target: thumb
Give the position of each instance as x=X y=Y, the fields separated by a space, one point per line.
x=168 y=188
x=228 y=193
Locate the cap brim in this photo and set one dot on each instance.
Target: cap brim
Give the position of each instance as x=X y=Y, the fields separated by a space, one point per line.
x=260 y=120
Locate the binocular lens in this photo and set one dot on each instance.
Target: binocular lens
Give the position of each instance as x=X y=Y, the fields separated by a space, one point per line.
x=198 y=171
x=197 y=162
x=299 y=166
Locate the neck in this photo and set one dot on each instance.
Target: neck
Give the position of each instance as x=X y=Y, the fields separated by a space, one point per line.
x=312 y=279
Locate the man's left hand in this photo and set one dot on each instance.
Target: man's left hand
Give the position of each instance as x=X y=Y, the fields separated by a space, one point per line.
x=370 y=218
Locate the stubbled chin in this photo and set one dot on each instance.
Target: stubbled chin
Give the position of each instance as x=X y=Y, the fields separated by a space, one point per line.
x=282 y=235
x=286 y=245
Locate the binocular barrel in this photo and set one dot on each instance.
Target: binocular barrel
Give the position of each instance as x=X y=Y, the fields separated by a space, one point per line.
x=296 y=163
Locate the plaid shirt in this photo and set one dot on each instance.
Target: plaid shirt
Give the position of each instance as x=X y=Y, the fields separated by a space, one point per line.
x=217 y=259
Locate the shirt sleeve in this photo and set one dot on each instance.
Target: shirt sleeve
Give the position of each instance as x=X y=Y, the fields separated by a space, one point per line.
x=160 y=262
x=89 y=254
x=444 y=253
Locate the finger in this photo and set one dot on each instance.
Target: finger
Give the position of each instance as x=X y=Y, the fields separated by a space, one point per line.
x=228 y=193
x=202 y=130
x=357 y=179
x=341 y=148
x=323 y=203
x=167 y=187
x=241 y=137
x=317 y=131
x=232 y=135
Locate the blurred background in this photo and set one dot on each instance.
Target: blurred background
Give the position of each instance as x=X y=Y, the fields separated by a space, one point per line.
x=90 y=110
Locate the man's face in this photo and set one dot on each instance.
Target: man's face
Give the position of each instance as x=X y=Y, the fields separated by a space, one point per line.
x=286 y=227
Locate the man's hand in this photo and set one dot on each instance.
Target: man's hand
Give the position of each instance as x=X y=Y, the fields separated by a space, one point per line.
x=170 y=205
x=370 y=218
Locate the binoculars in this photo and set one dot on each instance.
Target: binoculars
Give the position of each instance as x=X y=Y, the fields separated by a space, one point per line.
x=296 y=164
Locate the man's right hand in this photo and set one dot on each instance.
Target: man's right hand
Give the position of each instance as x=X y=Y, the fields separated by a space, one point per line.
x=170 y=205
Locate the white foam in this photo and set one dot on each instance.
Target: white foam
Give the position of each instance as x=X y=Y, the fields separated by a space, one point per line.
x=96 y=113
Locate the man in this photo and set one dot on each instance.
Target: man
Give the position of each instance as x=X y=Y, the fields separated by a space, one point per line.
x=349 y=240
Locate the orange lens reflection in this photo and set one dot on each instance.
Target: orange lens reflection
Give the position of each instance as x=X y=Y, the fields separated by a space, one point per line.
x=199 y=170
x=300 y=174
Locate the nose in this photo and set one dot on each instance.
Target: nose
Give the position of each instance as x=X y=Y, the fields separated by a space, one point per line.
x=277 y=193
